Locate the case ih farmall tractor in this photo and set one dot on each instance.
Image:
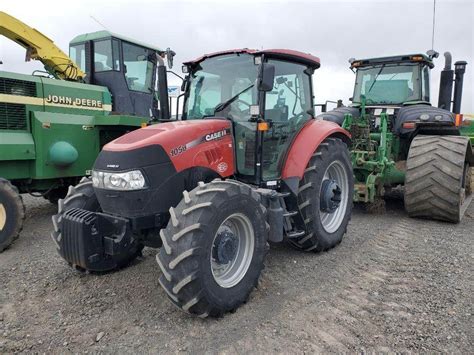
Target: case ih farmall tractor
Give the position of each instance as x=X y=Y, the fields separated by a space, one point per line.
x=248 y=164
x=400 y=139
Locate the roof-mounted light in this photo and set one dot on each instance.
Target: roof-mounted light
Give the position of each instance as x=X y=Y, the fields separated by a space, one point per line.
x=417 y=58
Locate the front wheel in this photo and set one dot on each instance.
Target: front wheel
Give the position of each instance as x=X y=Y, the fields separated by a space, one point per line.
x=12 y=214
x=213 y=248
x=325 y=197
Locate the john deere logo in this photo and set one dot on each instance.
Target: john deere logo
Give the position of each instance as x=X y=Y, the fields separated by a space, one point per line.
x=66 y=100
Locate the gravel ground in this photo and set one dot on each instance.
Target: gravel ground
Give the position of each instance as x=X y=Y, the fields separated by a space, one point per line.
x=394 y=284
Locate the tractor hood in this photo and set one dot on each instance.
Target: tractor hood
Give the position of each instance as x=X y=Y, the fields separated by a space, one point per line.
x=164 y=142
x=172 y=157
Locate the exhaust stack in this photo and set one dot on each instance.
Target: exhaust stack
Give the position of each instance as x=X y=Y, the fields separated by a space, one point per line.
x=446 y=84
x=459 y=70
x=163 y=90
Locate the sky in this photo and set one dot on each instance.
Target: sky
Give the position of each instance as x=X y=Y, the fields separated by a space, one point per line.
x=332 y=30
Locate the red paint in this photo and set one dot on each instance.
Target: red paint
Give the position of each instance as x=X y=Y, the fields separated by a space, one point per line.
x=171 y=135
x=306 y=143
x=297 y=56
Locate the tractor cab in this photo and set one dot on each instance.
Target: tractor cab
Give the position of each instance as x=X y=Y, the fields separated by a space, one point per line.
x=267 y=95
x=392 y=81
x=126 y=67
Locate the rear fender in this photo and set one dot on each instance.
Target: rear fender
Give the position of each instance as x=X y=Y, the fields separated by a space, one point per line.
x=305 y=144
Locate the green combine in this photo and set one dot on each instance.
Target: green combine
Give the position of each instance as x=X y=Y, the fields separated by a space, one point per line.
x=54 y=123
x=399 y=138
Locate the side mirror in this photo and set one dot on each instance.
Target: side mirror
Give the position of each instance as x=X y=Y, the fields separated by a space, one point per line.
x=170 y=56
x=266 y=77
x=184 y=84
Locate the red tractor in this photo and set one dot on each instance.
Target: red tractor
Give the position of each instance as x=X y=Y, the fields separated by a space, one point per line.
x=246 y=165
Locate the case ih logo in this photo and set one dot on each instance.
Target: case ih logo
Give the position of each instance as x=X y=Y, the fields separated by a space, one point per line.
x=222 y=167
x=215 y=135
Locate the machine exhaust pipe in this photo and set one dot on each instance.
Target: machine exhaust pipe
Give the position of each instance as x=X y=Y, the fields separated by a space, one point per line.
x=459 y=70
x=163 y=89
x=446 y=84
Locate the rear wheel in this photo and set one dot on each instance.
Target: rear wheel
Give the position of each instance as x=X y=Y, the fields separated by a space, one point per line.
x=12 y=214
x=325 y=197
x=83 y=196
x=436 y=183
x=213 y=248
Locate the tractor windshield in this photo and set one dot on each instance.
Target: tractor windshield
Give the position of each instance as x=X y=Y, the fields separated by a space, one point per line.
x=223 y=86
x=388 y=84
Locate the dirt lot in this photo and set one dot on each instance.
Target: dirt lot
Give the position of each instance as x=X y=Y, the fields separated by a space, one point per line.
x=394 y=284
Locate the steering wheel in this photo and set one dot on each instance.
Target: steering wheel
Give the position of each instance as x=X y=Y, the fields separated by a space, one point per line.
x=243 y=102
x=295 y=120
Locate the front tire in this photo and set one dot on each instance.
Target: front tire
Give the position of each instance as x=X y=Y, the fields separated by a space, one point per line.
x=12 y=214
x=213 y=248
x=325 y=197
x=56 y=194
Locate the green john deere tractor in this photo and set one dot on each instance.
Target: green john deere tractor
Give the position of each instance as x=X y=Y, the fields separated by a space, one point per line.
x=399 y=138
x=53 y=124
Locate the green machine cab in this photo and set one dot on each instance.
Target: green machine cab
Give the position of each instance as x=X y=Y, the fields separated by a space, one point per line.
x=54 y=123
x=399 y=138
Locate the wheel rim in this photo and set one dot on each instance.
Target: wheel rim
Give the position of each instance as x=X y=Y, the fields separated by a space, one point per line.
x=232 y=250
x=335 y=182
x=3 y=216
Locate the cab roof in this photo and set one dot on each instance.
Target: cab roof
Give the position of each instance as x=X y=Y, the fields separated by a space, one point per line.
x=412 y=58
x=284 y=54
x=107 y=34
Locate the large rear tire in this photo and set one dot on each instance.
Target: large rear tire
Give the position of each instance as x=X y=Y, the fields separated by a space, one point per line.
x=325 y=197
x=436 y=183
x=12 y=214
x=83 y=196
x=213 y=248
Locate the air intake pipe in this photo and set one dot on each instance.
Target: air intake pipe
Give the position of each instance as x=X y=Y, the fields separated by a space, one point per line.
x=459 y=70
x=446 y=84
x=163 y=89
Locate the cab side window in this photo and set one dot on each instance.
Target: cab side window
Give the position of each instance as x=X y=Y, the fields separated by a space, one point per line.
x=103 y=60
x=287 y=107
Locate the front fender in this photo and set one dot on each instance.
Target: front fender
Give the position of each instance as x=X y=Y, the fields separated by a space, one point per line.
x=305 y=144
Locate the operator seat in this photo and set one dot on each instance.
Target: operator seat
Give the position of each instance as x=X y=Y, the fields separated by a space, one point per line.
x=279 y=113
x=99 y=66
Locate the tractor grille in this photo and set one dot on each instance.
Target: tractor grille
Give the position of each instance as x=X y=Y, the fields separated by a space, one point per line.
x=17 y=87
x=12 y=116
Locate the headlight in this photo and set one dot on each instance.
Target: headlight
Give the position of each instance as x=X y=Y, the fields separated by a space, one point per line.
x=130 y=180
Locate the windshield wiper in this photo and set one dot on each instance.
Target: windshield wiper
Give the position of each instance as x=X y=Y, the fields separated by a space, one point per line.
x=371 y=86
x=226 y=103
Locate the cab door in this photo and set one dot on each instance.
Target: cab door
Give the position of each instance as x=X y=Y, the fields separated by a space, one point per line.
x=287 y=109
